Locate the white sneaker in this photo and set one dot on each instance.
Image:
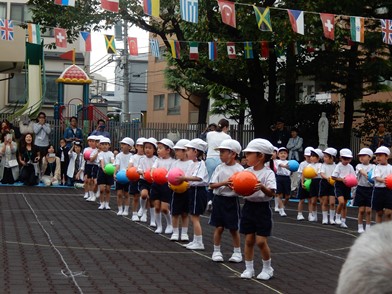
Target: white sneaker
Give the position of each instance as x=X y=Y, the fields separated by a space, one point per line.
x=143 y=218
x=361 y=230
x=209 y=205
x=217 y=256
x=343 y=225
x=153 y=224
x=174 y=237
x=277 y=209
x=120 y=211
x=338 y=221
x=266 y=274
x=140 y=212
x=282 y=213
x=184 y=237
x=102 y=206
x=325 y=222
x=300 y=217
x=135 y=218
x=331 y=221
x=196 y=246
x=107 y=207
x=188 y=244
x=92 y=198
x=86 y=195
x=125 y=212
x=310 y=217
x=236 y=257
x=169 y=229
x=248 y=274
x=158 y=230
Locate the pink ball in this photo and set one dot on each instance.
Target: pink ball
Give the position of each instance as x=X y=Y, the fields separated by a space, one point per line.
x=173 y=174
x=350 y=181
x=87 y=154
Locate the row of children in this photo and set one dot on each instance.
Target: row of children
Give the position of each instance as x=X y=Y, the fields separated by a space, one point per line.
x=255 y=218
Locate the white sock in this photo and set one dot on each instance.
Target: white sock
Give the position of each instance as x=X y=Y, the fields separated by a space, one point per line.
x=216 y=248
x=343 y=220
x=98 y=193
x=367 y=226
x=134 y=213
x=168 y=219
x=184 y=230
x=331 y=214
x=249 y=265
x=143 y=203
x=126 y=208
x=176 y=230
x=120 y=208
x=198 y=238
x=338 y=216
x=237 y=250
x=360 y=226
x=158 y=219
x=276 y=202
x=325 y=215
x=267 y=263
x=152 y=215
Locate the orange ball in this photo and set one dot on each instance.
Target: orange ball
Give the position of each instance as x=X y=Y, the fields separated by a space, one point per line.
x=388 y=181
x=132 y=174
x=147 y=176
x=309 y=172
x=159 y=175
x=244 y=183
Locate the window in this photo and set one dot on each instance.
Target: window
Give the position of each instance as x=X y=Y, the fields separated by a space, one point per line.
x=3 y=10
x=174 y=101
x=20 y=12
x=159 y=102
x=162 y=50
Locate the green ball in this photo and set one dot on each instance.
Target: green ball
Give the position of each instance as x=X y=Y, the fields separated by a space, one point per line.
x=307 y=184
x=109 y=169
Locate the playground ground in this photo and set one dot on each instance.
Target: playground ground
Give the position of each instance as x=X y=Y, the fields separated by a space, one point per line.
x=52 y=241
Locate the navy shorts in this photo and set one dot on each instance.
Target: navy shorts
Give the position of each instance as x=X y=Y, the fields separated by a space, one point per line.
x=134 y=187
x=144 y=185
x=256 y=218
x=283 y=185
x=314 y=190
x=104 y=179
x=122 y=187
x=342 y=190
x=161 y=192
x=302 y=193
x=363 y=196
x=91 y=170
x=381 y=198
x=326 y=189
x=226 y=212
x=179 y=203
x=197 y=200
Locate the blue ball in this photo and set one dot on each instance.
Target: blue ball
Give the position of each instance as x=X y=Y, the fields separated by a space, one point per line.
x=370 y=175
x=122 y=178
x=293 y=165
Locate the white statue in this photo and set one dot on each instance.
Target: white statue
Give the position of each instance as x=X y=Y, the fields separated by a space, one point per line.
x=323 y=131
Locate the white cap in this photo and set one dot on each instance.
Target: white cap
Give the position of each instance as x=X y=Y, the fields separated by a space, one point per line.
x=345 y=152
x=308 y=151
x=128 y=141
x=282 y=149
x=383 y=149
x=92 y=137
x=366 y=151
x=181 y=144
x=276 y=149
x=167 y=142
x=260 y=145
x=230 y=144
x=99 y=138
x=104 y=140
x=198 y=144
x=318 y=151
x=331 y=151
x=152 y=141
x=140 y=141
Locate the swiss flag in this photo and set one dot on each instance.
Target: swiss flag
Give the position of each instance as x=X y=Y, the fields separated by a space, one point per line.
x=132 y=44
x=110 y=5
x=328 y=21
x=227 y=10
x=61 y=37
x=231 y=50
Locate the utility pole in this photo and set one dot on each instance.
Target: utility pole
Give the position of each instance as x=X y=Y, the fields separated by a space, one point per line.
x=126 y=72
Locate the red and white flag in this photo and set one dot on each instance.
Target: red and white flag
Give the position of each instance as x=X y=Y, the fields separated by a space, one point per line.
x=227 y=10
x=132 y=44
x=61 y=37
x=231 y=50
x=110 y=5
x=328 y=21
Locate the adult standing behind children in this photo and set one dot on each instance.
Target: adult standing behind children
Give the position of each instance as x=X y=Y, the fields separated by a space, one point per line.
x=381 y=138
x=73 y=133
x=294 y=145
x=100 y=130
x=280 y=135
x=42 y=131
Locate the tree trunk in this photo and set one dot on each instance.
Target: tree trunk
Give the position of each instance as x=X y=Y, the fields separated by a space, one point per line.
x=203 y=109
x=291 y=77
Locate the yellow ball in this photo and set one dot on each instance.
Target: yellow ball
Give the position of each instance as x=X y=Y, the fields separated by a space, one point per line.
x=331 y=181
x=181 y=188
x=309 y=172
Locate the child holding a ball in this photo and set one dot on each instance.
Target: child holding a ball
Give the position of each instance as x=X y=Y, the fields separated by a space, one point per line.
x=90 y=155
x=105 y=173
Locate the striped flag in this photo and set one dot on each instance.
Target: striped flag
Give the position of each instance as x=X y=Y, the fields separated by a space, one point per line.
x=65 y=2
x=85 y=42
x=34 y=33
x=175 y=49
x=190 y=10
x=193 y=51
x=297 y=21
x=212 y=51
x=248 y=50
x=154 y=44
x=110 y=5
x=357 y=28
x=151 y=7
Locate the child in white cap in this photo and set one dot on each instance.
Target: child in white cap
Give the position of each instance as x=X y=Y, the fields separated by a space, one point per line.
x=382 y=196
x=90 y=154
x=342 y=192
x=364 y=191
x=283 y=181
x=225 y=204
x=104 y=180
x=314 y=190
x=302 y=193
x=327 y=193
x=256 y=217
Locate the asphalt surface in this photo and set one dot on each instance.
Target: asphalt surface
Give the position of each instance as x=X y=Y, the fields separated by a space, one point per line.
x=53 y=241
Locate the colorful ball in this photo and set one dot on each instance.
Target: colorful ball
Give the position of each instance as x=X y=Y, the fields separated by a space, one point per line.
x=244 y=183
x=122 y=177
x=147 y=176
x=181 y=188
x=370 y=176
x=132 y=174
x=87 y=154
x=388 y=182
x=293 y=165
x=307 y=184
x=309 y=172
x=350 y=181
x=110 y=169
x=159 y=175
x=173 y=174
x=331 y=181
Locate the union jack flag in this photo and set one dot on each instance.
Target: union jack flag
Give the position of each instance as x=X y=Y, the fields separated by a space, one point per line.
x=386 y=28
x=6 y=29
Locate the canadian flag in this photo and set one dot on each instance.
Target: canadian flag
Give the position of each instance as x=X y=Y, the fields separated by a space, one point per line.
x=61 y=37
x=110 y=5
x=231 y=50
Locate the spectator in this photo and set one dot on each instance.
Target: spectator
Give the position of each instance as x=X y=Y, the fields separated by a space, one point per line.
x=6 y=128
x=211 y=127
x=51 y=168
x=9 y=167
x=294 y=145
x=29 y=157
x=381 y=138
x=280 y=135
x=42 y=131
x=100 y=130
x=73 y=133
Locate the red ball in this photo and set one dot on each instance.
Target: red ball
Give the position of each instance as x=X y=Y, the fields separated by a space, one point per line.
x=173 y=174
x=159 y=175
x=244 y=183
x=147 y=176
x=132 y=174
x=87 y=154
x=350 y=181
x=388 y=181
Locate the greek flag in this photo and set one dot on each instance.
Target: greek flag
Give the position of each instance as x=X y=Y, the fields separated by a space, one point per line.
x=189 y=10
x=154 y=44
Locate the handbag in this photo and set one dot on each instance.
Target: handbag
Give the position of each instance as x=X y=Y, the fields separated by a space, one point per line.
x=13 y=163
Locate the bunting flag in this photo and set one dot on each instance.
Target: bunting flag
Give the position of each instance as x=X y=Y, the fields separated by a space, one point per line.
x=69 y=55
x=110 y=5
x=193 y=50
x=248 y=50
x=175 y=49
x=263 y=18
x=154 y=44
x=110 y=44
x=60 y=36
x=6 y=29
x=227 y=10
x=189 y=10
x=297 y=21
x=328 y=21
x=386 y=29
x=65 y=2
x=85 y=42
x=212 y=51
x=34 y=33
x=231 y=50
x=132 y=45
x=357 y=28
x=264 y=49
x=151 y=7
